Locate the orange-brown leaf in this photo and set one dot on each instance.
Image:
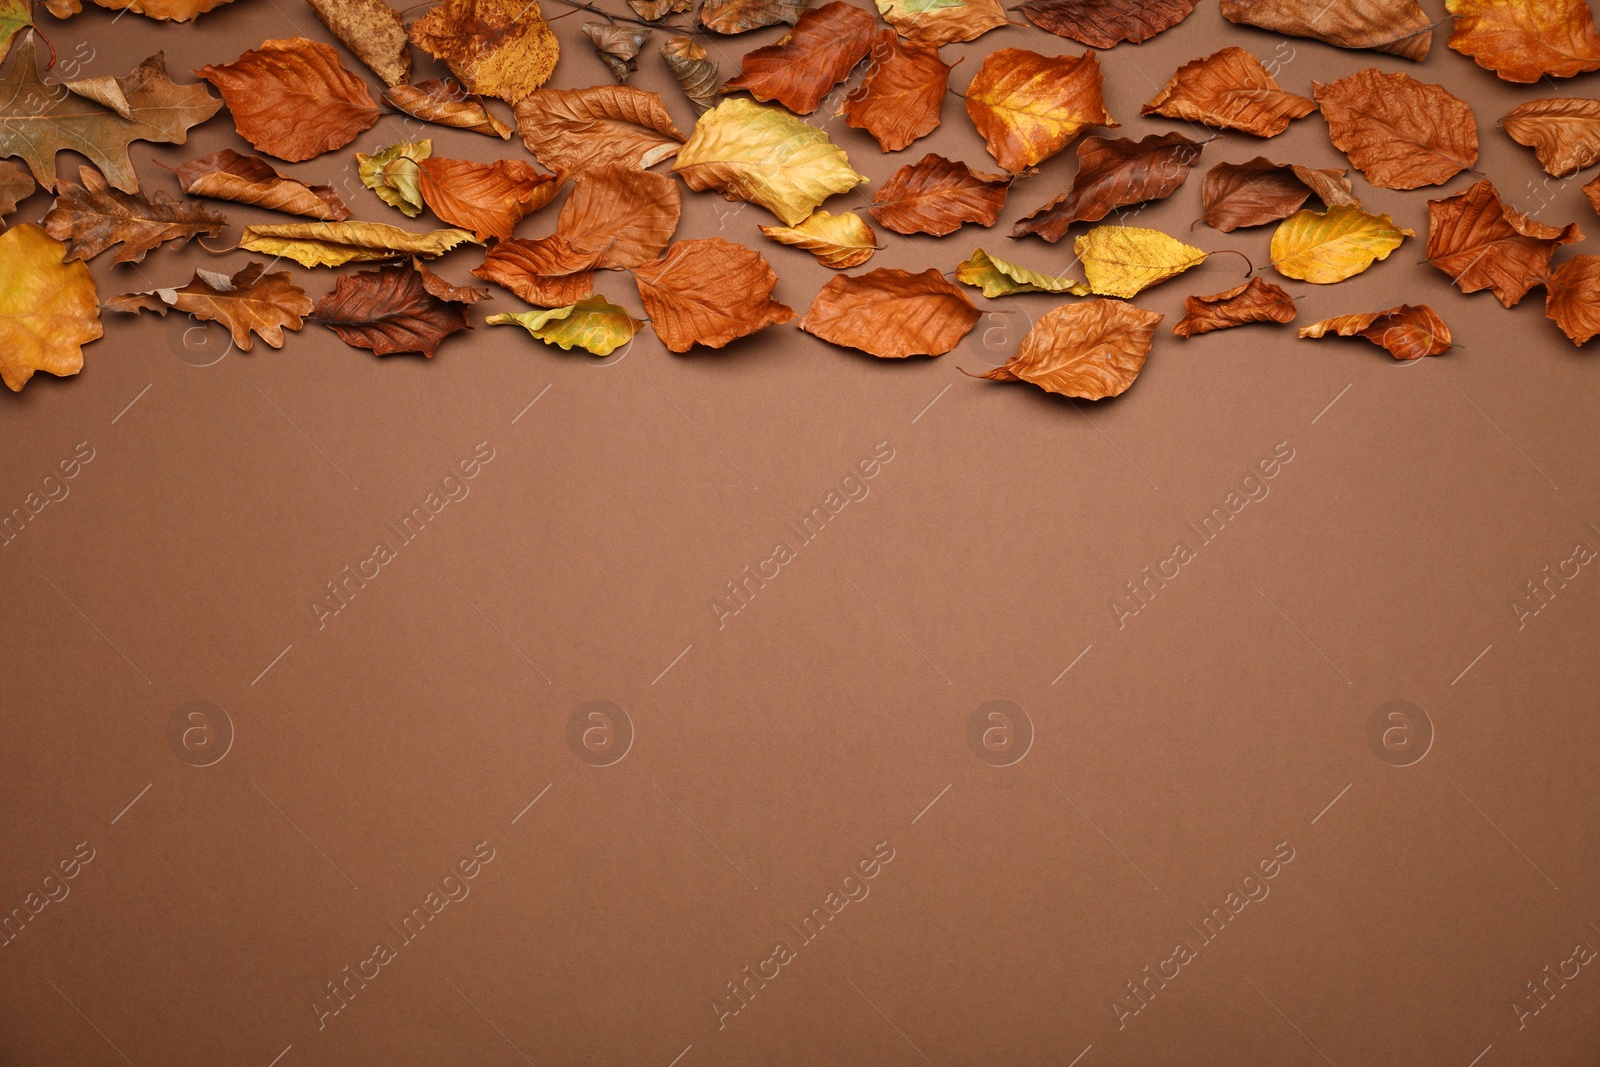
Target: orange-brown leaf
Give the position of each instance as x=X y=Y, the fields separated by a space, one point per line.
x=249 y=300
x=1230 y=90
x=227 y=175
x=293 y=99
x=936 y=195
x=550 y=272
x=48 y=310
x=16 y=185
x=570 y=130
x=1254 y=301
x=1572 y=298
x=819 y=53
x=1405 y=332
x=447 y=104
x=1399 y=132
x=708 y=292
x=1027 y=107
x=1483 y=244
x=1261 y=191
x=1106 y=23
x=1525 y=40
x=1563 y=133
x=1113 y=173
x=737 y=16
x=902 y=95
x=1091 y=349
x=499 y=48
x=92 y=217
x=629 y=215
x=1399 y=27
x=389 y=310
x=938 y=22
x=892 y=313
x=487 y=198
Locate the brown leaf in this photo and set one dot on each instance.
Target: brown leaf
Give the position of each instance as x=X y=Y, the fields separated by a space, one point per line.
x=16 y=185
x=1572 y=298
x=1254 y=301
x=1405 y=332
x=390 y=310
x=293 y=99
x=936 y=195
x=1027 y=107
x=92 y=217
x=499 y=48
x=372 y=30
x=487 y=198
x=695 y=73
x=617 y=45
x=174 y=10
x=1230 y=90
x=737 y=16
x=1591 y=191
x=570 y=130
x=819 y=53
x=1091 y=349
x=446 y=103
x=456 y=294
x=1261 y=191
x=227 y=175
x=708 y=292
x=247 y=301
x=1106 y=23
x=629 y=215
x=938 y=22
x=48 y=310
x=1399 y=132
x=652 y=10
x=1399 y=27
x=902 y=96
x=1483 y=244
x=1113 y=173
x=1525 y=40
x=549 y=272
x=892 y=313
x=1564 y=133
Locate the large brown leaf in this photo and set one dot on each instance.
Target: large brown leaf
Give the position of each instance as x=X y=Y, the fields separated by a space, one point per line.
x=250 y=300
x=293 y=99
x=550 y=272
x=1399 y=132
x=892 y=313
x=372 y=30
x=1113 y=173
x=1564 y=133
x=1254 y=301
x=92 y=217
x=902 y=95
x=629 y=215
x=737 y=16
x=1572 y=298
x=1092 y=349
x=227 y=175
x=1230 y=90
x=938 y=22
x=570 y=130
x=1525 y=40
x=1027 y=107
x=708 y=292
x=1399 y=27
x=1106 y=23
x=446 y=103
x=499 y=48
x=487 y=198
x=48 y=310
x=1405 y=332
x=1483 y=244
x=936 y=195
x=1261 y=191
x=394 y=309
x=819 y=53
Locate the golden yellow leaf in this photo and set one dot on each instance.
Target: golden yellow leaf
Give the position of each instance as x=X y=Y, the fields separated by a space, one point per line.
x=996 y=277
x=1027 y=107
x=48 y=309
x=593 y=324
x=392 y=173
x=838 y=241
x=330 y=244
x=1330 y=246
x=499 y=48
x=1125 y=260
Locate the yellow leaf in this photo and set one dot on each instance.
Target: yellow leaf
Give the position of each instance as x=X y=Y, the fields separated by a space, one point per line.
x=996 y=277
x=394 y=176
x=838 y=241
x=48 y=309
x=765 y=156
x=499 y=48
x=330 y=244
x=593 y=324
x=1125 y=260
x=1330 y=246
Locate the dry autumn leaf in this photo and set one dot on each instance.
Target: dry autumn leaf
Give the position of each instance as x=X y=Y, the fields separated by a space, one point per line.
x=487 y=198
x=819 y=53
x=997 y=278
x=936 y=195
x=1483 y=244
x=1126 y=260
x=838 y=241
x=1591 y=192
x=629 y=214
x=570 y=130
x=248 y=301
x=332 y=244
x=1230 y=90
x=1027 y=107
x=1106 y=23
x=1572 y=298
x=655 y=10
x=1525 y=40
x=891 y=313
x=15 y=16
x=48 y=307
x=1399 y=27
x=737 y=16
x=372 y=30
x=709 y=292
x=293 y=99
x=93 y=217
x=617 y=46
x=1564 y=133
x=444 y=102
x=393 y=174
x=1330 y=246
x=1254 y=301
x=392 y=310
x=1261 y=191
x=1405 y=332
x=16 y=185
x=164 y=10
x=903 y=94
x=1113 y=173
x=939 y=22
x=1091 y=349
x=227 y=175
x=549 y=272
x=695 y=73
x=1398 y=132
x=593 y=324
x=499 y=48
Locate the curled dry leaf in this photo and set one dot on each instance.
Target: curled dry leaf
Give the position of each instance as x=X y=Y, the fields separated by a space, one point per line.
x=393 y=174
x=709 y=292
x=392 y=309
x=737 y=16
x=652 y=10
x=1483 y=244
x=16 y=185
x=455 y=294
x=997 y=278
x=819 y=53
x=549 y=272
x=1230 y=90
x=938 y=22
x=248 y=301
x=372 y=30
x=1330 y=246
x=1106 y=23
x=499 y=48
x=1027 y=107
x=227 y=175
x=92 y=217
x=1525 y=40
x=1571 y=298
x=1126 y=260
x=1113 y=173
x=765 y=156
x=570 y=130
x=332 y=244
x=487 y=198
x=695 y=73
x=1254 y=301
x=1398 y=132
x=902 y=96
x=1399 y=27
x=892 y=313
x=1261 y=191
x=293 y=99
x=838 y=241
x=628 y=215
x=1406 y=332
x=1090 y=349
x=48 y=307
x=447 y=104
x=593 y=324
x=617 y=46
x=936 y=195
x=1564 y=133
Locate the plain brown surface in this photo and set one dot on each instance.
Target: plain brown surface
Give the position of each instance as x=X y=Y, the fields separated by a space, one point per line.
x=770 y=756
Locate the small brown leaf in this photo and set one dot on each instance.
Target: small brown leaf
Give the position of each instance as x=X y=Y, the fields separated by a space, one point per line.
x=892 y=313
x=1572 y=298
x=1525 y=40
x=1483 y=244
x=1261 y=191
x=391 y=309
x=629 y=214
x=1027 y=107
x=1405 y=332
x=499 y=48
x=617 y=45
x=1091 y=349
x=1399 y=132
x=372 y=30
x=487 y=198
x=1106 y=23
x=936 y=195
x=447 y=104
x=1399 y=27
x=293 y=99
x=903 y=94
x=550 y=272
x=737 y=16
x=819 y=53
x=1254 y=301
x=1230 y=90
x=1563 y=133
x=570 y=130
x=708 y=292
x=249 y=300
x=93 y=216
x=227 y=175
x=1113 y=173
x=695 y=73
x=940 y=22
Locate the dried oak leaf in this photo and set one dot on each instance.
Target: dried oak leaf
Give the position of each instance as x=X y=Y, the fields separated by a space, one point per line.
x=393 y=174
x=891 y=313
x=1399 y=27
x=250 y=300
x=1406 y=332
x=16 y=185
x=617 y=46
x=1126 y=260
x=709 y=292
x=654 y=10
x=1027 y=107
x=1398 y=132
x=997 y=278
x=373 y=32
x=1254 y=301
x=390 y=310
x=696 y=74
x=447 y=104
x=293 y=99
x=838 y=241
x=1091 y=349
x=173 y=10
x=819 y=53
x=1230 y=90
x=570 y=130
x=939 y=22
x=1261 y=191
x=487 y=198
x=549 y=272
x=38 y=120
x=1113 y=173
x=765 y=156
x=1483 y=244
x=629 y=215
x=1564 y=133
x=1106 y=23
x=227 y=175
x=332 y=244
x=737 y=16
x=48 y=307
x=1525 y=40
x=1571 y=298
x=1330 y=246
x=593 y=324
x=902 y=96
x=936 y=195
x=499 y=48
x=92 y=217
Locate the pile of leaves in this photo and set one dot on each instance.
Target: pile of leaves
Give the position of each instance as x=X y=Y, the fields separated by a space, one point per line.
x=618 y=157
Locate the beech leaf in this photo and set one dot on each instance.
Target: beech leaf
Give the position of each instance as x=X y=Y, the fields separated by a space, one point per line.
x=838 y=241
x=695 y=73
x=819 y=53
x=487 y=198
x=997 y=278
x=92 y=217
x=936 y=195
x=1090 y=349
x=902 y=96
x=293 y=99
x=164 y=10
x=248 y=301
x=1572 y=298
x=709 y=292
x=1230 y=90
x=617 y=46
x=1483 y=244
x=593 y=324
x=227 y=175
x=549 y=272
x=1106 y=23
x=444 y=102
x=1126 y=260
x=629 y=215
x=393 y=174
x=1027 y=107
x=1399 y=27
x=1330 y=246
x=737 y=16
x=570 y=130
x=1254 y=301
x=1261 y=191
x=373 y=32
x=332 y=244
x=939 y=22
x=1398 y=132
x=891 y=313
x=499 y=48
x=1525 y=40
x=1113 y=173
x=1405 y=332
x=48 y=307
x=1564 y=133
x=652 y=10
x=392 y=310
